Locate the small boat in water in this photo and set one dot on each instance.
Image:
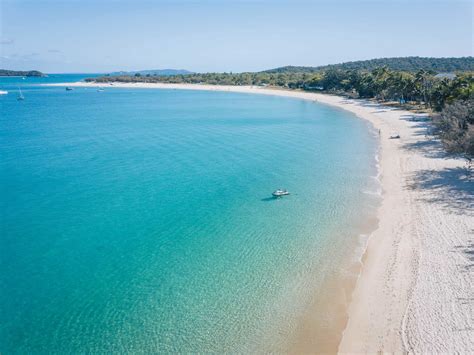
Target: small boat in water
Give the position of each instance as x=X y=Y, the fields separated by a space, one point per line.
x=280 y=193
x=3 y=92
x=100 y=89
x=20 y=96
x=68 y=88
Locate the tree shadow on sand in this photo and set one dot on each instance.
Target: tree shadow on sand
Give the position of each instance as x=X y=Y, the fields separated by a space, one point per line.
x=468 y=251
x=378 y=106
x=430 y=148
x=416 y=117
x=453 y=188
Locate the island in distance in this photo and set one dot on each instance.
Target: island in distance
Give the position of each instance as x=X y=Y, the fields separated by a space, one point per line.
x=4 y=72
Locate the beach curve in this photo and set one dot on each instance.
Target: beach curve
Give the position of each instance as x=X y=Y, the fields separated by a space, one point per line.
x=413 y=292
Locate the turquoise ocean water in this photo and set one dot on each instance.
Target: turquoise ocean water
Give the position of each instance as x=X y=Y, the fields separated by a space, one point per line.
x=141 y=220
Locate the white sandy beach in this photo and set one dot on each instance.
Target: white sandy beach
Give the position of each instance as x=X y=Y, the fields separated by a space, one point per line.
x=416 y=289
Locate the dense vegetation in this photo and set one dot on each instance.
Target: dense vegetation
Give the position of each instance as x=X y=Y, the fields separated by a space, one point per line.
x=422 y=87
x=161 y=72
x=414 y=89
x=456 y=126
x=294 y=80
x=4 y=72
x=411 y=64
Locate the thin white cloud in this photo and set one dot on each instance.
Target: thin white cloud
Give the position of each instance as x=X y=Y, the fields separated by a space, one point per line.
x=23 y=57
x=6 y=41
x=54 y=51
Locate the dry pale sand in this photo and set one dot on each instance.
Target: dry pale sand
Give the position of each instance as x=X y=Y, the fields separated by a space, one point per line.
x=415 y=292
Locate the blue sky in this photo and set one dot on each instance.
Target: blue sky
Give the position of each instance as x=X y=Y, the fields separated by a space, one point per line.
x=225 y=35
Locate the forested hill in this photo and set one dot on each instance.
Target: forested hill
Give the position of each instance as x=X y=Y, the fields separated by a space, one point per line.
x=410 y=64
x=4 y=72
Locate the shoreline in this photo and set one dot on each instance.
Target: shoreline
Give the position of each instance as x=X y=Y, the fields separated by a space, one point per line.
x=414 y=288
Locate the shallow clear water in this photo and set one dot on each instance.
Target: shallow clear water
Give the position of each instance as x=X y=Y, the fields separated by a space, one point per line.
x=142 y=219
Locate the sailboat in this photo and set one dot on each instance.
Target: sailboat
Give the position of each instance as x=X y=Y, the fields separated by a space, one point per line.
x=20 y=96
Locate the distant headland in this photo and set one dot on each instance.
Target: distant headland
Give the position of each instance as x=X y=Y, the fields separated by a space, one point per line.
x=4 y=72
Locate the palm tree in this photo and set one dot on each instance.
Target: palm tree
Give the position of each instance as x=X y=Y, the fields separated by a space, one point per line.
x=423 y=81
